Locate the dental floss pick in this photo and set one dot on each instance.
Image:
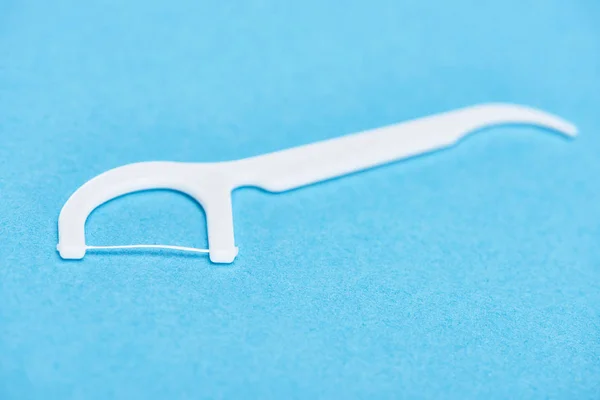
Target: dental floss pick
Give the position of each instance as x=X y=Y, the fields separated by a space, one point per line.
x=211 y=184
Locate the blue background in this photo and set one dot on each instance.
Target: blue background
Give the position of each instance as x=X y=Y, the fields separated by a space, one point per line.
x=471 y=273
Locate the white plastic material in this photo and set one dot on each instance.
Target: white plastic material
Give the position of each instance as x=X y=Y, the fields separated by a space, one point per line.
x=211 y=184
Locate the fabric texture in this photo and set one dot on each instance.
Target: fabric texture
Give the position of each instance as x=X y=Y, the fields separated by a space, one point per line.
x=471 y=273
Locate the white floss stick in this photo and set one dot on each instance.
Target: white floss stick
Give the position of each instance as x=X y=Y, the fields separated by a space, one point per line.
x=211 y=184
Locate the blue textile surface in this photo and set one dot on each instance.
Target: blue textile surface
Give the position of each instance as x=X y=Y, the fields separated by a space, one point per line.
x=470 y=273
